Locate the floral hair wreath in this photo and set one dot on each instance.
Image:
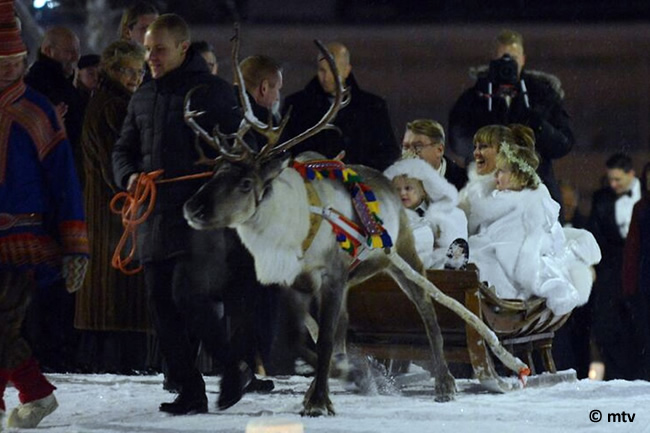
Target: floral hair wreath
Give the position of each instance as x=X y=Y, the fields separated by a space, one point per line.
x=509 y=153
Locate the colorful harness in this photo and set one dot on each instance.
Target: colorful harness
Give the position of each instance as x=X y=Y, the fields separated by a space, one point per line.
x=357 y=240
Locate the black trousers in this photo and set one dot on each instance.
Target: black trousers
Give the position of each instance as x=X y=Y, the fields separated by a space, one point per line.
x=251 y=307
x=185 y=305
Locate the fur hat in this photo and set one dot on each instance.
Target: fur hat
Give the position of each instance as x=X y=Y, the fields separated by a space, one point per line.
x=11 y=44
x=436 y=186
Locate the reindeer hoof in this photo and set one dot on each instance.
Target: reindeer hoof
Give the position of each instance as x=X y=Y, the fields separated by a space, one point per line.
x=316 y=411
x=444 y=398
x=445 y=389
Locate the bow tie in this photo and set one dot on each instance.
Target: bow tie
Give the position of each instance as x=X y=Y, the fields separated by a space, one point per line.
x=420 y=212
x=626 y=193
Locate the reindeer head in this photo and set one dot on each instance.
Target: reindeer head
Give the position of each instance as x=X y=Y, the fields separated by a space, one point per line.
x=232 y=195
x=243 y=176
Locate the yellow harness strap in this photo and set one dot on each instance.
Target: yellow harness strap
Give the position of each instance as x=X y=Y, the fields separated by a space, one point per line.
x=315 y=220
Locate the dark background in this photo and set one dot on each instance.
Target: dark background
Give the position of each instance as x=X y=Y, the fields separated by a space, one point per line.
x=417 y=54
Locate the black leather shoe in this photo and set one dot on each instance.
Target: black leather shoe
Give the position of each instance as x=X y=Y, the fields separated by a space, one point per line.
x=186 y=403
x=233 y=383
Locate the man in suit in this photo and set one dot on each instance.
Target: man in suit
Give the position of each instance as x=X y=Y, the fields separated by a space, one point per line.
x=611 y=213
x=363 y=128
x=426 y=138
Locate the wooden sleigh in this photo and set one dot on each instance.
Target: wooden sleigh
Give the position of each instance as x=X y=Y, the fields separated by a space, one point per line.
x=385 y=324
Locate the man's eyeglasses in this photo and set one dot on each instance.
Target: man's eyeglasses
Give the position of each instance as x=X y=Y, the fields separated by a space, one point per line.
x=417 y=147
x=132 y=73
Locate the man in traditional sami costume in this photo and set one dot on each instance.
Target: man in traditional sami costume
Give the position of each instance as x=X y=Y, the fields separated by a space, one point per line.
x=42 y=229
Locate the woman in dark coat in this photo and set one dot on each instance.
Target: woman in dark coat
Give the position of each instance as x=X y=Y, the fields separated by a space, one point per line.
x=110 y=301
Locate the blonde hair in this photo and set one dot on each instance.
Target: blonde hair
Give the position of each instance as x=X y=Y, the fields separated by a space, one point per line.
x=131 y=15
x=417 y=183
x=118 y=51
x=520 y=157
x=429 y=128
x=174 y=24
x=256 y=69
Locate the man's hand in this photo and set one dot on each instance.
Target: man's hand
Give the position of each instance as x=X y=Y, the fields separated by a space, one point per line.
x=61 y=109
x=74 y=272
x=130 y=185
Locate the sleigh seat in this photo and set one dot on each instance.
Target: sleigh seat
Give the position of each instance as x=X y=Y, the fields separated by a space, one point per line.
x=385 y=324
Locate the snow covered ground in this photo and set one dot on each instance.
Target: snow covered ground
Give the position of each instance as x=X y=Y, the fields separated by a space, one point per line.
x=118 y=404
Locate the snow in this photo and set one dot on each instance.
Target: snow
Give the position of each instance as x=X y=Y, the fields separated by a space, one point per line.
x=118 y=404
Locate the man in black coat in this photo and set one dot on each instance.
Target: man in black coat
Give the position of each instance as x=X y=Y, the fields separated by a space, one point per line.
x=364 y=128
x=52 y=74
x=504 y=95
x=426 y=138
x=611 y=213
x=182 y=267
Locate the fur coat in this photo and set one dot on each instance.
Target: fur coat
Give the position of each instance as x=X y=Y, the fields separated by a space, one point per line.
x=522 y=250
x=442 y=222
x=478 y=187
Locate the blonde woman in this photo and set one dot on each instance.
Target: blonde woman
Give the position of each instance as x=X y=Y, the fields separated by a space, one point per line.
x=110 y=301
x=520 y=247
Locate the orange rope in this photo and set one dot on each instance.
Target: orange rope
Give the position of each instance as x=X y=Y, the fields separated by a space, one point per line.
x=143 y=192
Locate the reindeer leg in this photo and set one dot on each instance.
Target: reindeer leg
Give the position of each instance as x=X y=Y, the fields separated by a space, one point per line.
x=445 y=383
x=317 y=401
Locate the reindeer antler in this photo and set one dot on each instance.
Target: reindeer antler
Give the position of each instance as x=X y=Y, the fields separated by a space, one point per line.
x=240 y=150
x=273 y=134
x=267 y=130
x=341 y=99
x=213 y=140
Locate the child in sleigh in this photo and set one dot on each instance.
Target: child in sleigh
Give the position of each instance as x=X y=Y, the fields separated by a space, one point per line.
x=431 y=206
x=520 y=248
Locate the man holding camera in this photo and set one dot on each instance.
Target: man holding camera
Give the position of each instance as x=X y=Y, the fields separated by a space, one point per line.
x=505 y=93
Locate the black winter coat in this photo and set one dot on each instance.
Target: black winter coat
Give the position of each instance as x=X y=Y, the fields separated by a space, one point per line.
x=154 y=136
x=365 y=134
x=46 y=75
x=454 y=174
x=546 y=116
x=606 y=296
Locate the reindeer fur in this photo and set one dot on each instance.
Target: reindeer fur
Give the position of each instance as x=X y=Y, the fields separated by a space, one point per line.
x=272 y=219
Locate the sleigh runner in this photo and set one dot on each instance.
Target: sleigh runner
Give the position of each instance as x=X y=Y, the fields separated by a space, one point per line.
x=383 y=323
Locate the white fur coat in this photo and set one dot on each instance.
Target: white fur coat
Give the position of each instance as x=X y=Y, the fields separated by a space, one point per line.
x=443 y=221
x=521 y=249
x=478 y=186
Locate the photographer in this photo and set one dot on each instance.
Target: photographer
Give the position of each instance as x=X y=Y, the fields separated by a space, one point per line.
x=504 y=94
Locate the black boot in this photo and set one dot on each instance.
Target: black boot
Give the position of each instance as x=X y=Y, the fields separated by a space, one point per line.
x=170 y=385
x=233 y=383
x=190 y=399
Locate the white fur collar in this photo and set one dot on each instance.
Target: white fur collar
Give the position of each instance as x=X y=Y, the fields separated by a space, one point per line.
x=440 y=191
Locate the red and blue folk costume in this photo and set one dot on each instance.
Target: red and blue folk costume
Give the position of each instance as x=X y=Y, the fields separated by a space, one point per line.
x=41 y=209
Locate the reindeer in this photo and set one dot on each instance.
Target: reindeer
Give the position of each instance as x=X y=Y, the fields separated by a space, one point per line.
x=265 y=199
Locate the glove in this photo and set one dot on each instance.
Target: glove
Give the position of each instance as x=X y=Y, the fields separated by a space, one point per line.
x=74 y=272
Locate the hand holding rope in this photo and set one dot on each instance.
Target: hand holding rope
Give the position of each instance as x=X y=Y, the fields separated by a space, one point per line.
x=142 y=192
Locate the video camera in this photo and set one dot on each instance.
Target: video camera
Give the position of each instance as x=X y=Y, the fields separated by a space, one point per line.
x=503 y=71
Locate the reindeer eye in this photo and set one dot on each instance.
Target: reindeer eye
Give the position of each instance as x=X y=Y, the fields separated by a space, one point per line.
x=246 y=185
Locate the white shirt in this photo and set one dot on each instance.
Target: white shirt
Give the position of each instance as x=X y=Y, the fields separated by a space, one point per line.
x=624 y=206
